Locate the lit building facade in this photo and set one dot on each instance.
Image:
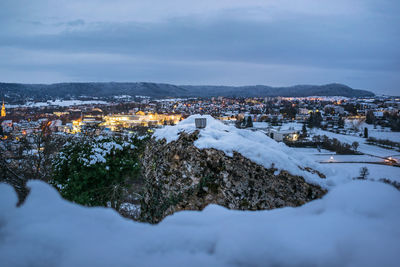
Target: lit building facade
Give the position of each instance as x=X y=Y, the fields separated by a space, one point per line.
x=3 y=110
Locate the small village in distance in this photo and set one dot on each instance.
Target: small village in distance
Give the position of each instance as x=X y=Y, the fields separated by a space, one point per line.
x=297 y=121
x=125 y=114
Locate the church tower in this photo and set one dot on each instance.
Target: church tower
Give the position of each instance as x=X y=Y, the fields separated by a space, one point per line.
x=3 y=110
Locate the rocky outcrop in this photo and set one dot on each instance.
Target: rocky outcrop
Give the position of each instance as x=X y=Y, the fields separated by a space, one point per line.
x=180 y=176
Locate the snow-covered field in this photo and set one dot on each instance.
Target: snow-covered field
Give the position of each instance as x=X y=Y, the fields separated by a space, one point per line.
x=378 y=131
x=364 y=148
x=355 y=224
x=61 y=103
x=376 y=172
x=379 y=134
x=339 y=158
x=351 y=169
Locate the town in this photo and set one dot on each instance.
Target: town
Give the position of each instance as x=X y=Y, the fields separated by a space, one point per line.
x=35 y=132
x=125 y=114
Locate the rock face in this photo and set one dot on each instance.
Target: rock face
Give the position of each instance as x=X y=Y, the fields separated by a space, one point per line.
x=180 y=176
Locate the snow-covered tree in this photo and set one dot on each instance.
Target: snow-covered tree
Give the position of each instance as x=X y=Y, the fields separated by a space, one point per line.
x=98 y=171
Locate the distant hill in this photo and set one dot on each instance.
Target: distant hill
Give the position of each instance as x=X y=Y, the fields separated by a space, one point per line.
x=14 y=91
x=333 y=89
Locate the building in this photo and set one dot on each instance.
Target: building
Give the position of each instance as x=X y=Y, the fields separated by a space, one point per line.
x=288 y=135
x=335 y=109
x=7 y=125
x=3 y=110
x=303 y=111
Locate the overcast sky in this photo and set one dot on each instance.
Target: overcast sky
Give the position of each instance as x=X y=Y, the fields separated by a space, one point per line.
x=230 y=42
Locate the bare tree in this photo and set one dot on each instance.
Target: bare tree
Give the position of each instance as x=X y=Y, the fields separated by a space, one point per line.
x=355 y=145
x=8 y=176
x=364 y=172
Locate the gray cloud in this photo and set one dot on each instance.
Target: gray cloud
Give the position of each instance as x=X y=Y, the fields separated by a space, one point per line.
x=229 y=48
x=77 y=22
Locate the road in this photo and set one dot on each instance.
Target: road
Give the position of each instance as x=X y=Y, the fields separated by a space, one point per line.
x=364 y=162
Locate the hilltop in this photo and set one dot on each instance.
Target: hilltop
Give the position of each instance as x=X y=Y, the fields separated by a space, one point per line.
x=220 y=164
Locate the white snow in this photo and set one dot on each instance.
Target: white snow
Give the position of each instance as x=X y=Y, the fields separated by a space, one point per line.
x=122 y=96
x=377 y=131
x=295 y=126
x=363 y=147
x=351 y=170
x=382 y=133
x=97 y=152
x=254 y=145
x=61 y=103
x=351 y=158
x=376 y=172
x=355 y=224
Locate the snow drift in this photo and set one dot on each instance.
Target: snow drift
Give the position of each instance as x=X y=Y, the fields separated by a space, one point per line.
x=355 y=224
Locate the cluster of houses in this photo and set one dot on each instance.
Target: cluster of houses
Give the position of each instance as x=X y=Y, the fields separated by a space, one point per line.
x=155 y=113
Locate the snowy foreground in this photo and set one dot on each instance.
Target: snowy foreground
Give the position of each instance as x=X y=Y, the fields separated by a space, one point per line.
x=355 y=224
